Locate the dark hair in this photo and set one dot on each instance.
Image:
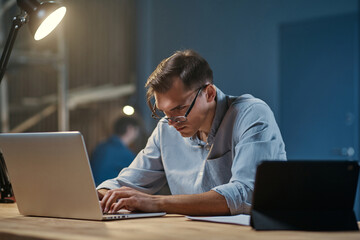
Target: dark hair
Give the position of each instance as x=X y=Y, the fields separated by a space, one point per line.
x=122 y=123
x=188 y=65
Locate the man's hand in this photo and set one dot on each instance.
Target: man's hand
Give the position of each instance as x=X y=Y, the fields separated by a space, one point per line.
x=208 y=203
x=101 y=192
x=129 y=199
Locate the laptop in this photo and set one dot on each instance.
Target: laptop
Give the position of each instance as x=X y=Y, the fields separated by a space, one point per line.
x=51 y=176
x=305 y=195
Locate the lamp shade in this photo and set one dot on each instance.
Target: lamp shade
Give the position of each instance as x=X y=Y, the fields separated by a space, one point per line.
x=43 y=17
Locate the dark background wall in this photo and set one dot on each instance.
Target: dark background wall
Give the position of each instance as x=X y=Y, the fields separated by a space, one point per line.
x=240 y=39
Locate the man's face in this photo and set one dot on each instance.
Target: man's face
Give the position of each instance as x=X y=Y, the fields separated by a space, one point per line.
x=176 y=102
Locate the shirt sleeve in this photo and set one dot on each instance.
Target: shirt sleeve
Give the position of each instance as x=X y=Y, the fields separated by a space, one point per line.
x=256 y=137
x=145 y=173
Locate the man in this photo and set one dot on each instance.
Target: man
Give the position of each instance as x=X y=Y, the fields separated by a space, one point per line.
x=111 y=156
x=206 y=146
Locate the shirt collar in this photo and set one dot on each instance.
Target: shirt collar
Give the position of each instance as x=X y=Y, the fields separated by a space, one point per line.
x=221 y=109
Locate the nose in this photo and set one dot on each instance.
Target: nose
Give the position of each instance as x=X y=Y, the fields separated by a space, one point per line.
x=171 y=122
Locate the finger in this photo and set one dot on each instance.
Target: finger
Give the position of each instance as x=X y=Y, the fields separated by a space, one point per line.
x=105 y=200
x=112 y=199
x=125 y=203
x=118 y=205
x=131 y=204
x=100 y=195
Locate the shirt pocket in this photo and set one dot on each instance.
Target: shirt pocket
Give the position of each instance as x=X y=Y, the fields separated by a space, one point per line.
x=218 y=170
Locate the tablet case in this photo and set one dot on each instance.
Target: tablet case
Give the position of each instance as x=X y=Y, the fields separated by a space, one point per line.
x=305 y=195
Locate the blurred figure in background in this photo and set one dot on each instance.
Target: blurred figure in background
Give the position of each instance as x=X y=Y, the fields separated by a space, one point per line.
x=112 y=155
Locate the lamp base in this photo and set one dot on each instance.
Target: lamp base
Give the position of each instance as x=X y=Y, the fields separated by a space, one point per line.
x=6 y=200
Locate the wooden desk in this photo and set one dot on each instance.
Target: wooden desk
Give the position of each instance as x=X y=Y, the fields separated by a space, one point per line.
x=14 y=226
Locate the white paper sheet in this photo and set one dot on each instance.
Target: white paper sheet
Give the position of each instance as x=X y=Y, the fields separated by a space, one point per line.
x=240 y=219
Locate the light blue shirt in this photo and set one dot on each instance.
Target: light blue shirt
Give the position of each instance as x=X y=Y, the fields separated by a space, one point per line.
x=243 y=133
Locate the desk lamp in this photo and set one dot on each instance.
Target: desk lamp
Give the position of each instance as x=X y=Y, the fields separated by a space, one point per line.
x=43 y=17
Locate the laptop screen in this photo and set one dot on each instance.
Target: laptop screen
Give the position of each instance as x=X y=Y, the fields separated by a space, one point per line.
x=305 y=187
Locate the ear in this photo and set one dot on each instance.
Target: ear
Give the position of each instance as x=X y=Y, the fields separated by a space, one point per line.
x=210 y=93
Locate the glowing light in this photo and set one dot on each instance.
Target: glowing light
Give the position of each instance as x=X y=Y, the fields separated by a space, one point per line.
x=128 y=110
x=50 y=23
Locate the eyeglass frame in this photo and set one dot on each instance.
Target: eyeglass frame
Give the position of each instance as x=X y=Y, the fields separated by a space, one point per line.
x=173 y=119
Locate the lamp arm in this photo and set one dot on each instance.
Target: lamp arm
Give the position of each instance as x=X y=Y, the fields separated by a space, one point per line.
x=18 y=21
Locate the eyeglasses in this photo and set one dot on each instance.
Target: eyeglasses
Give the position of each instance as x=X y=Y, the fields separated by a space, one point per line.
x=177 y=119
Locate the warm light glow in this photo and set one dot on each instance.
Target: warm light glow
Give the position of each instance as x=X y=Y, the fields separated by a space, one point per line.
x=128 y=110
x=50 y=23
